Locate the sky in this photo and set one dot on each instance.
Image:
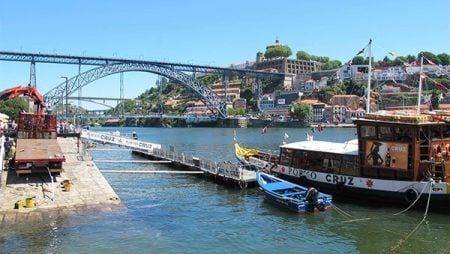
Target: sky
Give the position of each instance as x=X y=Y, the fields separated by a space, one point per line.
x=206 y=32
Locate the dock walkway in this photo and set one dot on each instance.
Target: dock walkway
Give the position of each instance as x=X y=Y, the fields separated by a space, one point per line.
x=222 y=172
x=88 y=189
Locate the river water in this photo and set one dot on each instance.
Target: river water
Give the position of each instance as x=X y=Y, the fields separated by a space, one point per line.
x=168 y=213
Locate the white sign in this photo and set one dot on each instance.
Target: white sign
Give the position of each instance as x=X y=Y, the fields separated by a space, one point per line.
x=119 y=140
x=281 y=101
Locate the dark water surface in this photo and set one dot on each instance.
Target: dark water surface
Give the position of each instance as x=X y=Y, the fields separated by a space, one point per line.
x=168 y=213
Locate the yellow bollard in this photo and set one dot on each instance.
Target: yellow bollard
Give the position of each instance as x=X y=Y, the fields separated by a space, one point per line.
x=18 y=204
x=29 y=203
x=67 y=185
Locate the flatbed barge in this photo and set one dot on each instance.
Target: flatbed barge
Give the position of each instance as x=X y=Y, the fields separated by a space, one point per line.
x=38 y=156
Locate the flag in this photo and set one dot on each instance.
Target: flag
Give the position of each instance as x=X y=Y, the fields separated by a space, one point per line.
x=423 y=75
x=440 y=86
x=286 y=136
x=264 y=130
x=360 y=52
x=430 y=62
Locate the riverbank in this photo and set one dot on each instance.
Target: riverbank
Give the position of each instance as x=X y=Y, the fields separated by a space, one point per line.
x=80 y=187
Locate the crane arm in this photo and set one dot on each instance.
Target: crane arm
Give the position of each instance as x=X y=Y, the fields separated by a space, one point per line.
x=30 y=91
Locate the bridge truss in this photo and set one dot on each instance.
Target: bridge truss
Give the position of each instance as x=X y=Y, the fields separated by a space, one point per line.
x=108 y=66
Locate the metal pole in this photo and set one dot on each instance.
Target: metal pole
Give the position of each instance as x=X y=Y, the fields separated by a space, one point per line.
x=420 y=83
x=369 y=78
x=67 y=96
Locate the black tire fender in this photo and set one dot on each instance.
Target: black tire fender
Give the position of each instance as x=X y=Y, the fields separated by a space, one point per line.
x=411 y=195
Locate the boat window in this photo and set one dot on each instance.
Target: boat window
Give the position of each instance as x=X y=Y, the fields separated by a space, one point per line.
x=385 y=133
x=286 y=157
x=350 y=165
x=331 y=165
x=368 y=131
x=298 y=161
x=315 y=160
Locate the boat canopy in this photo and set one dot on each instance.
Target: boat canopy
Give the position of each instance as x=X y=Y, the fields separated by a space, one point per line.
x=350 y=147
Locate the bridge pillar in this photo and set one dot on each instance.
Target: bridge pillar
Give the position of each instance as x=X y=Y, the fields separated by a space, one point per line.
x=33 y=73
x=121 y=94
x=258 y=88
x=226 y=82
x=79 y=89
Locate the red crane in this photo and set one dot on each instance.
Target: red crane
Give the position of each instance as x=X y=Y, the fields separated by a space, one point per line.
x=29 y=91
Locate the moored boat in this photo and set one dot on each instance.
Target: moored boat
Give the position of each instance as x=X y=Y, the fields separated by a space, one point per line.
x=292 y=196
x=397 y=157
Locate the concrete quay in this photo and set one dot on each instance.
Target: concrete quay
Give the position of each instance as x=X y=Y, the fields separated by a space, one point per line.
x=89 y=190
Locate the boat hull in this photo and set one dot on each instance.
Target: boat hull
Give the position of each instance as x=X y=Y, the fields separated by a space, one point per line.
x=291 y=196
x=402 y=193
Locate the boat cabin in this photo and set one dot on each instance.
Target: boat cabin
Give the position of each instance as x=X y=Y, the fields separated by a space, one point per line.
x=403 y=147
x=389 y=146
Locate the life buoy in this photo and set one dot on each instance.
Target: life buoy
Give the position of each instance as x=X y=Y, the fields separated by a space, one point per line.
x=303 y=181
x=411 y=195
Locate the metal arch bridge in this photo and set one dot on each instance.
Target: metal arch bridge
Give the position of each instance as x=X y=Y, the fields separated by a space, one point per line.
x=109 y=66
x=214 y=103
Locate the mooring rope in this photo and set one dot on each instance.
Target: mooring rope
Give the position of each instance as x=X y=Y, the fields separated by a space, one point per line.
x=415 y=201
x=401 y=241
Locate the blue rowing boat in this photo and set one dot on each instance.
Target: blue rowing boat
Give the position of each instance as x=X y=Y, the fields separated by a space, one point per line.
x=292 y=196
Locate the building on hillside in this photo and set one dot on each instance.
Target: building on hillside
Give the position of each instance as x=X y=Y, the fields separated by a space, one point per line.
x=355 y=114
x=284 y=98
x=357 y=72
x=307 y=87
x=286 y=65
x=197 y=108
x=339 y=114
x=232 y=91
x=348 y=101
x=317 y=112
x=266 y=102
x=391 y=73
x=170 y=103
x=240 y=103
x=390 y=89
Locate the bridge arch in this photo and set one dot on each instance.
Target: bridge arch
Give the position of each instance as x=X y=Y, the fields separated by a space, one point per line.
x=214 y=103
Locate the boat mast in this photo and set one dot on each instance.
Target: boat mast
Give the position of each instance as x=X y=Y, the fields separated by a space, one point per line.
x=368 y=79
x=420 y=83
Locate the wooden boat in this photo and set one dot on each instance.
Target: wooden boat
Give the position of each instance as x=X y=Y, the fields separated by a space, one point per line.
x=397 y=158
x=292 y=196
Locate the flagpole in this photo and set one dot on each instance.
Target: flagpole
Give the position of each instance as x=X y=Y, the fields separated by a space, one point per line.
x=420 y=83
x=368 y=79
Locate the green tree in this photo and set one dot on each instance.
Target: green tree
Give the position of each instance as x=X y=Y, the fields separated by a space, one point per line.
x=277 y=51
x=358 y=60
x=333 y=64
x=444 y=58
x=301 y=111
x=302 y=55
x=435 y=94
x=12 y=107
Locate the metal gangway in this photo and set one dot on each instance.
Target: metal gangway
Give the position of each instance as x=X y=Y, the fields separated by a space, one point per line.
x=225 y=172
